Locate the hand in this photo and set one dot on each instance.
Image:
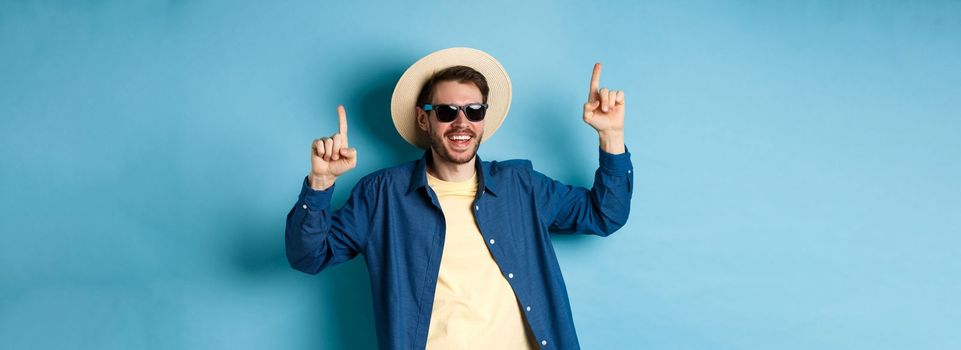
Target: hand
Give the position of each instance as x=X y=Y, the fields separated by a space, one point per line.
x=604 y=110
x=330 y=157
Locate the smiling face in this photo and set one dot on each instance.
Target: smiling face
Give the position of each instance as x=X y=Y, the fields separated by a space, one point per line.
x=455 y=142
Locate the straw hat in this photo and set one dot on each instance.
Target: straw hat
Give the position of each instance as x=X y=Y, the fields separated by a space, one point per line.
x=404 y=99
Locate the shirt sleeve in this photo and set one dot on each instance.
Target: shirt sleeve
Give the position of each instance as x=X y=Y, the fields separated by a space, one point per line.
x=317 y=236
x=600 y=210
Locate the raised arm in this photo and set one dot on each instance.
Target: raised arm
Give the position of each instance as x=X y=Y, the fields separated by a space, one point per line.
x=604 y=207
x=316 y=236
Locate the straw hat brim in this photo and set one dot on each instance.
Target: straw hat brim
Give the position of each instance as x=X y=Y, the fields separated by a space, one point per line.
x=404 y=99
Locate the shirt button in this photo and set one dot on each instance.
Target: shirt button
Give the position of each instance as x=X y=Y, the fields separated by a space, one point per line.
x=627 y=172
x=492 y=241
x=509 y=275
x=476 y=207
x=305 y=206
x=528 y=308
x=543 y=342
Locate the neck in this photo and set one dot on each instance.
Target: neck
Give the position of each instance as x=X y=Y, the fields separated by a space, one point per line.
x=448 y=171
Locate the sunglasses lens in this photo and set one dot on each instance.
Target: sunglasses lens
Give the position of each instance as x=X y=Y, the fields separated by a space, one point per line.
x=446 y=113
x=475 y=112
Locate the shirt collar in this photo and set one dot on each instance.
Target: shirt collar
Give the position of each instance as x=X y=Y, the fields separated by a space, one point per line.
x=484 y=180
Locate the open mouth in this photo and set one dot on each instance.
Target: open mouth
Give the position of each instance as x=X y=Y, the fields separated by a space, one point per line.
x=460 y=140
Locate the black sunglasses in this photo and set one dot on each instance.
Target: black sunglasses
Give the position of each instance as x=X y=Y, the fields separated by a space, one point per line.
x=474 y=112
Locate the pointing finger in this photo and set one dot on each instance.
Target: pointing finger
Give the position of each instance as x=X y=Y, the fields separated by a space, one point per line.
x=342 y=119
x=595 y=81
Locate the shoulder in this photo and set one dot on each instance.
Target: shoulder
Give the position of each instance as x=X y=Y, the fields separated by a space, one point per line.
x=402 y=169
x=516 y=170
x=503 y=172
x=398 y=175
x=500 y=167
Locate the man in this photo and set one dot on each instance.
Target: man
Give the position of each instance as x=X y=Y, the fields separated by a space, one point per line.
x=457 y=249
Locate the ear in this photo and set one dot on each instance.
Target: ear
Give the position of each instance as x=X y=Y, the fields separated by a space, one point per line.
x=422 y=120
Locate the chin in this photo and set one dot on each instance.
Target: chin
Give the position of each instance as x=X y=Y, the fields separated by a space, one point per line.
x=447 y=154
x=460 y=158
x=456 y=157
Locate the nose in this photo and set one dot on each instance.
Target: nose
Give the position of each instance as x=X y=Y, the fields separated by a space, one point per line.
x=461 y=119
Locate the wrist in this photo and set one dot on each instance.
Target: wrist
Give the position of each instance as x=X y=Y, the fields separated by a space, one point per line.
x=611 y=141
x=320 y=182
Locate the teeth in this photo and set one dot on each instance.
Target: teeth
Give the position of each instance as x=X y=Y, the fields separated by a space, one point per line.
x=460 y=137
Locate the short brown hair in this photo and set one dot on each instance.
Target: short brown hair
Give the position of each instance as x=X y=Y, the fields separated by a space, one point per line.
x=460 y=74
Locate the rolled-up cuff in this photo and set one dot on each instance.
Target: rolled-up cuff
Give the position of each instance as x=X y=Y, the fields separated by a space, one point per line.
x=616 y=163
x=315 y=200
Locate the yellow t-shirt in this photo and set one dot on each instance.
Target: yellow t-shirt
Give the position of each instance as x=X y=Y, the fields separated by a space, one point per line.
x=474 y=306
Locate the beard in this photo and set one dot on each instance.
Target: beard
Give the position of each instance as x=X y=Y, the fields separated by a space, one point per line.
x=440 y=148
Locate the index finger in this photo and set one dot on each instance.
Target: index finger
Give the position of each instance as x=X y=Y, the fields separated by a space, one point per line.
x=342 y=119
x=595 y=81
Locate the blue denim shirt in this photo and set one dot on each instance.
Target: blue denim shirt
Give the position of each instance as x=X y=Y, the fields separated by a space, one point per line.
x=394 y=220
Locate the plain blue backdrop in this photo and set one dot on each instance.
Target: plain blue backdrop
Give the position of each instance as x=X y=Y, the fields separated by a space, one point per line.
x=798 y=166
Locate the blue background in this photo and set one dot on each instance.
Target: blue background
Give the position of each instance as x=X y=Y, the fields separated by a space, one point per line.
x=798 y=166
